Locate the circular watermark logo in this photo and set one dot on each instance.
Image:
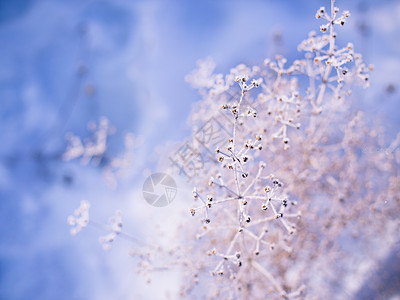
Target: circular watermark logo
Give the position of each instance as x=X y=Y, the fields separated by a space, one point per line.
x=159 y=189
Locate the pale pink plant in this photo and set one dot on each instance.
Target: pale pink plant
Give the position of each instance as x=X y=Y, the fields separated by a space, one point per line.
x=297 y=196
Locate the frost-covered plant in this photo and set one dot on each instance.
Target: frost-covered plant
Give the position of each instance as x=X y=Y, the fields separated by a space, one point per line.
x=286 y=199
x=293 y=190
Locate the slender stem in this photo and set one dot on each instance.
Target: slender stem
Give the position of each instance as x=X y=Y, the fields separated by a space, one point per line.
x=228 y=251
x=330 y=53
x=240 y=205
x=121 y=234
x=234 y=140
x=269 y=276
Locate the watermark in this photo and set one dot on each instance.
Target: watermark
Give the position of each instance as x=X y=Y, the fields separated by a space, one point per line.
x=189 y=159
x=159 y=189
x=212 y=134
x=193 y=156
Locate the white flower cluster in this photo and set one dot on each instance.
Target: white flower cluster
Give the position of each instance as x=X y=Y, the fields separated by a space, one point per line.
x=94 y=150
x=114 y=228
x=80 y=218
x=90 y=149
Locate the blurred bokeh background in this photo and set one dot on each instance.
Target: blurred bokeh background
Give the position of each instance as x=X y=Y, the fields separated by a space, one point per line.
x=64 y=64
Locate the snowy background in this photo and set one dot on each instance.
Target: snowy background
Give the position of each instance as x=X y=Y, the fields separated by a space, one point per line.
x=65 y=63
